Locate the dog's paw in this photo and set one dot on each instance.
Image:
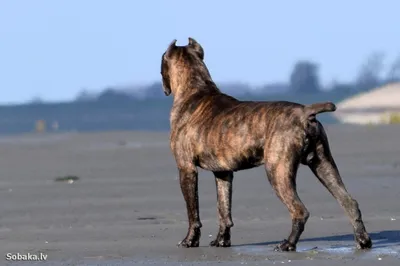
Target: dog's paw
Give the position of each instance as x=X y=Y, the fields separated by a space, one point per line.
x=363 y=241
x=285 y=246
x=220 y=242
x=189 y=243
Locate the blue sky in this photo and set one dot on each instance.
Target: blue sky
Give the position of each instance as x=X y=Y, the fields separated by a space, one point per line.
x=53 y=49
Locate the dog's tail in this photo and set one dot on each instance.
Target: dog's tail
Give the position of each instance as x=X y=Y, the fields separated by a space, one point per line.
x=313 y=127
x=312 y=110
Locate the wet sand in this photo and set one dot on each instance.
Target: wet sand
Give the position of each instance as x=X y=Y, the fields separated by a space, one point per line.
x=127 y=207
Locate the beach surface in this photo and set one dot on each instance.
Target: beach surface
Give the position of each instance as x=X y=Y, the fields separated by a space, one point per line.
x=125 y=207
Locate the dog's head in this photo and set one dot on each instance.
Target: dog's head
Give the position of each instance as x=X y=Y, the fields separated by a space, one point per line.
x=178 y=59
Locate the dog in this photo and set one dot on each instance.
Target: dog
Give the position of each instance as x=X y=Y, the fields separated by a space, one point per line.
x=219 y=133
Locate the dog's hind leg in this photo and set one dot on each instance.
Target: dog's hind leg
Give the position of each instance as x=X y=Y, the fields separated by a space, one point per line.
x=223 y=182
x=281 y=168
x=324 y=167
x=188 y=178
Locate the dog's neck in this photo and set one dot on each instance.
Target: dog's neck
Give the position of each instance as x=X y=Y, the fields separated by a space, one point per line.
x=188 y=82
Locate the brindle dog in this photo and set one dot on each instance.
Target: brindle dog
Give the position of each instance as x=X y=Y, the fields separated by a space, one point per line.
x=219 y=133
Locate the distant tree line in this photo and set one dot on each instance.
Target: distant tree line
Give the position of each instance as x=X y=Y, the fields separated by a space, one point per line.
x=147 y=108
x=303 y=79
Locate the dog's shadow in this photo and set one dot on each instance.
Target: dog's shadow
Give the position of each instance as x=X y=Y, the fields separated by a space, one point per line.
x=382 y=239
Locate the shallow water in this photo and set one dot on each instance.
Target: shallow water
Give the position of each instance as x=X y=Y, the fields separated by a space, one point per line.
x=324 y=251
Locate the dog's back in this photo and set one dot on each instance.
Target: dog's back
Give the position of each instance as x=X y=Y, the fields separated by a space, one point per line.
x=224 y=133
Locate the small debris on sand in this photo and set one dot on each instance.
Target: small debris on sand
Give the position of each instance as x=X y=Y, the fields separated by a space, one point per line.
x=68 y=179
x=146 y=218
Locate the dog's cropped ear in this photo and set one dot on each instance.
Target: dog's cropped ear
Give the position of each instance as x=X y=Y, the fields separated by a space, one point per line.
x=196 y=47
x=170 y=49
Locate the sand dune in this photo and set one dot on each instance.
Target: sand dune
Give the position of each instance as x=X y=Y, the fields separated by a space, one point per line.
x=370 y=107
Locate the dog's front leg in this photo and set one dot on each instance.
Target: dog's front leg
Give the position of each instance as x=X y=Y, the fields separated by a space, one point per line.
x=188 y=178
x=223 y=181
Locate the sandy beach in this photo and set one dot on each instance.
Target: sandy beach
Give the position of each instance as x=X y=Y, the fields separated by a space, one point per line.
x=127 y=207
